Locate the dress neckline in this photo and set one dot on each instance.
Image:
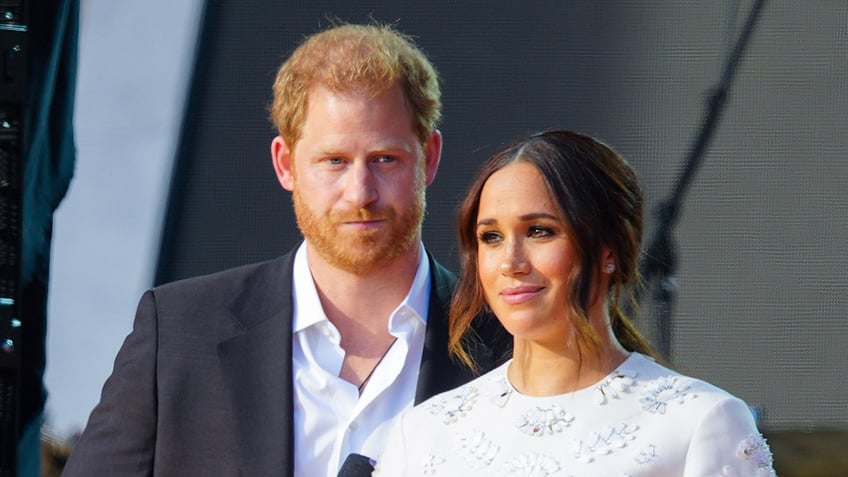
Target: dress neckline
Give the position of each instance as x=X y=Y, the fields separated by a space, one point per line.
x=622 y=371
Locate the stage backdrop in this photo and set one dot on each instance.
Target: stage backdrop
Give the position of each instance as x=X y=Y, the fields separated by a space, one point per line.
x=761 y=241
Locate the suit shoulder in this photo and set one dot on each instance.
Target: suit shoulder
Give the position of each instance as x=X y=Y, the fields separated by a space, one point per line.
x=226 y=284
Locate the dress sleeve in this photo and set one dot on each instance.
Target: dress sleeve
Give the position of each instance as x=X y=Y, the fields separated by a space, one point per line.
x=119 y=438
x=726 y=443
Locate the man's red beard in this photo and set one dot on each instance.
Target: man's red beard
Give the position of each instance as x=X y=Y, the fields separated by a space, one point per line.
x=361 y=252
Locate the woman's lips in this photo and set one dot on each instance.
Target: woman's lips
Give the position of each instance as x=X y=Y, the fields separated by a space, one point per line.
x=520 y=294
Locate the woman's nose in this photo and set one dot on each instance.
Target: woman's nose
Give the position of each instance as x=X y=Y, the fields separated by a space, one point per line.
x=514 y=261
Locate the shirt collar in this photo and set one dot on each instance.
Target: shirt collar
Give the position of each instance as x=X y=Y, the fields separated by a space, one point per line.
x=417 y=300
x=308 y=311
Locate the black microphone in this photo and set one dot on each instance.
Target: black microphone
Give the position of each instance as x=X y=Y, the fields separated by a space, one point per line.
x=357 y=465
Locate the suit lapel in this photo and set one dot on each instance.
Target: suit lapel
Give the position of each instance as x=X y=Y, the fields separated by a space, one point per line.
x=489 y=346
x=257 y=369
x=438 y=371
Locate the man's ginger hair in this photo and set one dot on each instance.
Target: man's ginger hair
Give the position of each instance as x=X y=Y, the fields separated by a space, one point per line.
x=369 y=58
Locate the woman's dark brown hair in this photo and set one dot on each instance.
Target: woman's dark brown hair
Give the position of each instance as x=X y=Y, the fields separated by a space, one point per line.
x=599 y=195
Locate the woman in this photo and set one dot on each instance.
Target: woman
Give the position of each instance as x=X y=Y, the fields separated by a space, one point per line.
x=550 y=234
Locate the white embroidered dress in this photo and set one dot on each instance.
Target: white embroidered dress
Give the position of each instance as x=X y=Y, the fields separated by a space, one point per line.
x=641 y=420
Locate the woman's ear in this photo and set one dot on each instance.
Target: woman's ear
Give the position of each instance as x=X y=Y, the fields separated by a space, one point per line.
x=608 y=263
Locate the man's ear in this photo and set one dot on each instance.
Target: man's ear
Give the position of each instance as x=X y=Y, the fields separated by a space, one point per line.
x=282 y=158
x=432 y=155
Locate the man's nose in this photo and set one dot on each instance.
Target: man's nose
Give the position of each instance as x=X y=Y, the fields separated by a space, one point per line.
x=361 y=185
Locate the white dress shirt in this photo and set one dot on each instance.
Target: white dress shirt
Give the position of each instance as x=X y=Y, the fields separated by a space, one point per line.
x=331 y=419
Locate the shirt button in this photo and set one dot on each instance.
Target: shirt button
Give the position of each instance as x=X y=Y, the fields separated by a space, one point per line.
x=353 y=426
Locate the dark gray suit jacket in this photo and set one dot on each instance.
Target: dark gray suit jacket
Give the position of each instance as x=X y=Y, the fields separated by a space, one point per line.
x=202 y=386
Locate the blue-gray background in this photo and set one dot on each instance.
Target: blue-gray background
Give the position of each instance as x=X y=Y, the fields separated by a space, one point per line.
x=135 y=60
x=761 y=241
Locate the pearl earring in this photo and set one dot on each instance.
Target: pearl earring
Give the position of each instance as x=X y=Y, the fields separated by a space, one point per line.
x=609 y=268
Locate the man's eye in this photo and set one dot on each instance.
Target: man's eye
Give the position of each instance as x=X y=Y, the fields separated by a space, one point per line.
x=386 y=159
x=334 y=160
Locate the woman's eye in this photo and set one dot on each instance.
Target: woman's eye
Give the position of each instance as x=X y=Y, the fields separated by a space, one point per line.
x=539 y=231
x=488 y=237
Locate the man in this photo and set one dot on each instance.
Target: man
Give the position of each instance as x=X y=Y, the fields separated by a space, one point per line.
x=287 y=367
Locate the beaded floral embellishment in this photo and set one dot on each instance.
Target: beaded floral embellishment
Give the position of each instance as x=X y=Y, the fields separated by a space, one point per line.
x=432 y=463
x=541 y=421
x=663 y=391
x=646 y=455
x=755 y=448
x=530 y=465
x=500 y=392
x=612 y=386
x=478 y=451
x=604 y=442
x=454 y=405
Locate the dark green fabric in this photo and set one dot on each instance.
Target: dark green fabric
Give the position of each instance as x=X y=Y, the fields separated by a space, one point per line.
x=49 y=156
